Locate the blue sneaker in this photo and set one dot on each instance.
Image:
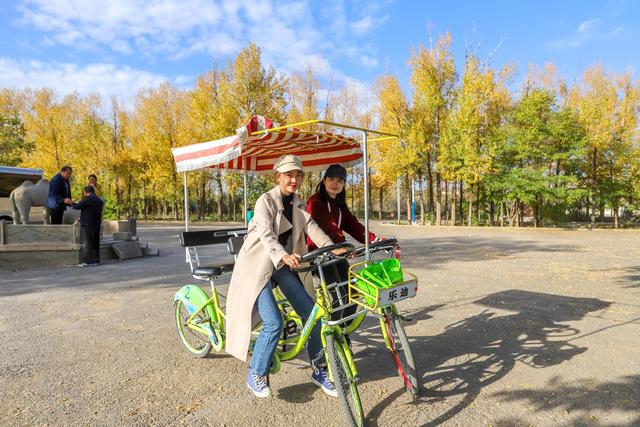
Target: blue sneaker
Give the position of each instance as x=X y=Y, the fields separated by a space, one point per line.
x=257 y=384
x=320 y=377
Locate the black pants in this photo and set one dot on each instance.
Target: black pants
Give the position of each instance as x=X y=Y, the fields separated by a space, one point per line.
x=56 y=215
x=337 y=273
x=90 y=238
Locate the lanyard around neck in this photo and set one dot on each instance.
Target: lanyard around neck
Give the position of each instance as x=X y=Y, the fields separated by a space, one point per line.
x=339 y=214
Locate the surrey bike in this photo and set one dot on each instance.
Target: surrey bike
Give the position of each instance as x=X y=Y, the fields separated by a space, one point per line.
x=200 y=322
x=377 y=285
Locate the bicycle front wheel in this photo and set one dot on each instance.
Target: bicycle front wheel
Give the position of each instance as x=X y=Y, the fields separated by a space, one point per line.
x=344 y=382
x=196 y=343
x=402 y=354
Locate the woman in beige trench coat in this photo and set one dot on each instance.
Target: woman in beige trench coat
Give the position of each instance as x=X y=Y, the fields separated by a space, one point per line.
x=274 y=243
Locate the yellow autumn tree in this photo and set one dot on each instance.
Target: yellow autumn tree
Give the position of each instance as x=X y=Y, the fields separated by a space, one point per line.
x=433 y=78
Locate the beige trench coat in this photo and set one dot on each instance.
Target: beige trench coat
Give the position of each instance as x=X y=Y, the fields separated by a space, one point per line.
x=258 y=257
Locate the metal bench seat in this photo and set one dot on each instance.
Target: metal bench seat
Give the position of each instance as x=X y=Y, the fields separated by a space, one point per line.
x=212 y=271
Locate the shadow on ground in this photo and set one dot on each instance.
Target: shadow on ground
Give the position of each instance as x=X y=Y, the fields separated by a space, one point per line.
x=631 y=279
x=481 y=349
x=582 y=397
x=434 y=251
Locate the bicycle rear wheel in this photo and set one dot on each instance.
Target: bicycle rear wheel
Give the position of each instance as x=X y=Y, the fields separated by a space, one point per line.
x=196 y=343
x=402 y=354
x=344 y=382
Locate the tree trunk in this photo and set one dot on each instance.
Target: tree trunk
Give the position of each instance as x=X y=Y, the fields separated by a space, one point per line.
x=353 y=194
x=461 y=200
x=594 y=165
x=438 y=207
x=408 y=190
x=430 y=188
x=446 y=201
x=454 y=201
x=380 y=202
x=233 y=202
x=478 y=203
x=422 y=216
x=601 y=208
x=492 y=208
x=501 y=214
x=519 y=213
x=470 y=207
x=219 y=196
x=615 y=213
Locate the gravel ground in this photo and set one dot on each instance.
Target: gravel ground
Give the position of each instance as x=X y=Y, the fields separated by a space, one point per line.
x=510 y=327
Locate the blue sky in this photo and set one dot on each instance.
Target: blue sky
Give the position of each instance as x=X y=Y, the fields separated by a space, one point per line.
x=118 y=47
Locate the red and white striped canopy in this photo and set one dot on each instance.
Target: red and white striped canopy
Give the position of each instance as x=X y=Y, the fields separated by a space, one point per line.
x=258 y=153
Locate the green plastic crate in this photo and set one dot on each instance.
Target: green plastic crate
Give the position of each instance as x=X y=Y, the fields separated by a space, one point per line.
x=379 y=275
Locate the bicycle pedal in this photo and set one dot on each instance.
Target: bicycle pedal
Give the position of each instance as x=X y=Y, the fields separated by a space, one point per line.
x=405 y=319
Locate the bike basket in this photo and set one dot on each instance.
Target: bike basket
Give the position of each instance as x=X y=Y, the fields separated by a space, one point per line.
x=377 y=284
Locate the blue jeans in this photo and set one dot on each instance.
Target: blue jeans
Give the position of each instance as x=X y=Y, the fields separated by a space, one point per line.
x=272 y=323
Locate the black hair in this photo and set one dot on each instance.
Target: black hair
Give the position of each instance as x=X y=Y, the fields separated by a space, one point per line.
x=89 y=189
x=341 y=197
x=93 y=175
x=66 y=168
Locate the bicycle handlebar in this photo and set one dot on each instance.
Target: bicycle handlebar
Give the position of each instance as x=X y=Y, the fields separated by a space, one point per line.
x=389 y=243
x=323 y=250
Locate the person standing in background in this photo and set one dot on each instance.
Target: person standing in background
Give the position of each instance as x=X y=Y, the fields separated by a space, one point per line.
x=90 y=220
x=59 y=194
x=93 y=182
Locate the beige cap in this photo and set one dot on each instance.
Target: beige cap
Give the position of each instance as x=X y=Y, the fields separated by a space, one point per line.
x=288 y=163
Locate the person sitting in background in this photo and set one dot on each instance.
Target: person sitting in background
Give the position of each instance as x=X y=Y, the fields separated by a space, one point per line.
x=90 y=220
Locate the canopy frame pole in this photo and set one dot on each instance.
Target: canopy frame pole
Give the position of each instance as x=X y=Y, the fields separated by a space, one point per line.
x=244 y=193
x=365 y=157
x=186 y=212
x=186 y=204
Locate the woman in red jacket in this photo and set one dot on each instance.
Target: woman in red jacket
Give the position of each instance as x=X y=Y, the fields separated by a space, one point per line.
x=328 y=208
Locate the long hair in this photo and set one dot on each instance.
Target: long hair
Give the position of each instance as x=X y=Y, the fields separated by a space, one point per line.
x=341 y=197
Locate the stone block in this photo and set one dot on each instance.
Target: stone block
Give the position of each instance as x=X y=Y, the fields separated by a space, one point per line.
x=150 y=252
x=45 y=234
x=17 y=257
x=127 y=250
x=122 y=235
x=126 y=226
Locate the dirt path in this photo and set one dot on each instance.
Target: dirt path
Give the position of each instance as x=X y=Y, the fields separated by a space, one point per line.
x=510 y=327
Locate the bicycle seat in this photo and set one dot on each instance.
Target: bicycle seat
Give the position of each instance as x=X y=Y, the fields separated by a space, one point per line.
x=211 y=271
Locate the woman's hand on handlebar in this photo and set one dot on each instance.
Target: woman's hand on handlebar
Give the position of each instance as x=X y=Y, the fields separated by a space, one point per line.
x=340 y=251
x=292 y=260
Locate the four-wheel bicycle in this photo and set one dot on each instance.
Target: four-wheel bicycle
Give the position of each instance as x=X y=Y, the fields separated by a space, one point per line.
x=200 y=318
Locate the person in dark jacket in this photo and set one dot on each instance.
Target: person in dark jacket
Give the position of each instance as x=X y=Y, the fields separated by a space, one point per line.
x=90 y=220
x=59 y=194
x=328 y=208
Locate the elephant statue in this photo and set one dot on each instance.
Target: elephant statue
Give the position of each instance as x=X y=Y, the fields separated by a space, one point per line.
x=27 y=195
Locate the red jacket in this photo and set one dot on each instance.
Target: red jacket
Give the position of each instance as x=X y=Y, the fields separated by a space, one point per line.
x=334 y=221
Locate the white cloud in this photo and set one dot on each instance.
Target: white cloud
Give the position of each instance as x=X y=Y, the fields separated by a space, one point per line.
x=85 y=23
x=369 y=61
x=292 y=34
x=105 y=79
x=367 y=24
x=587 y=31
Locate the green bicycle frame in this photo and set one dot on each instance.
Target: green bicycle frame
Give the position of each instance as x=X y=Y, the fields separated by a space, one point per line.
x=318 y=313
